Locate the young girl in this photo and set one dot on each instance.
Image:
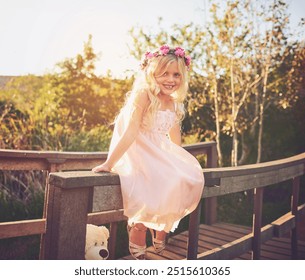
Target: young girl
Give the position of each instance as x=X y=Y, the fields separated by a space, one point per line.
x=160 y=181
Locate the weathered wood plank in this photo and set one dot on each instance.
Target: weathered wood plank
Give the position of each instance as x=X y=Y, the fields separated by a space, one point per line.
x=213 y=229
x=194 y=222
x=214 y=173
x=106 y=217
x=200 y=148
x=83 y=179
x=40 y=160
x=77 y=164
x=107 y=198
x=283 y=224
x=301 y=209
x=294 y=210
x=233 y=227
x=7 y=153
x=275 y=256
x=229 y=250
x=274 y=250
x=66 y=231
x=231 y=184
x=23 y=164
x=227 y=237
x=237 y=247
x=22 y=228
x=266 y=233
x=206 y=239
x=257 y=222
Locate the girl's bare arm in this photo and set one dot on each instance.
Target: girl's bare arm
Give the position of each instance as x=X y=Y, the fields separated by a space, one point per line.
x=128 y=136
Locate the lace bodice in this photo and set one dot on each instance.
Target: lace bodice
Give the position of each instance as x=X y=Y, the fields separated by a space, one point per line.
x=164 y=121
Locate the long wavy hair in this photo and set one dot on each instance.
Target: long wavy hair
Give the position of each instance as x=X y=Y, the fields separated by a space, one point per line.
x=146 y=81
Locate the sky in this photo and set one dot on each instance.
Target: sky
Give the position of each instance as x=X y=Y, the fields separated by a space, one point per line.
x=37 y=34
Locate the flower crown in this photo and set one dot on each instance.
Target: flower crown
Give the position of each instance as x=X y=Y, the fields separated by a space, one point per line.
x=164 y=50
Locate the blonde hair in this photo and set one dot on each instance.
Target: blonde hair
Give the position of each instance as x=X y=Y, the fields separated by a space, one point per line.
x=146 y=81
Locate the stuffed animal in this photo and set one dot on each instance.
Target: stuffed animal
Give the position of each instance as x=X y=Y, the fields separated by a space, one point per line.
x=96 y=243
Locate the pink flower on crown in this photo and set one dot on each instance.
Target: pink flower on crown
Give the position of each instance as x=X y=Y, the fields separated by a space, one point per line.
x=187 y=60
x=179 y=52
x=164 y=49
x=149 y=55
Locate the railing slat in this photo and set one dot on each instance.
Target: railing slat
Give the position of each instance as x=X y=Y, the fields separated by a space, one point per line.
x=228 y=181
x=257 y=222
x=294 y=211
x=192 y=248
x=106 y=217
x=283 y=224
x=22 y=228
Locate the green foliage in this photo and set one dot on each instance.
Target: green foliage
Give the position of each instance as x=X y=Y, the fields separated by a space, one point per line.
x=21 y=195
x=69 y=110
x=20 y=248
x=98 y=138
x=238 y=72
x=21 y=198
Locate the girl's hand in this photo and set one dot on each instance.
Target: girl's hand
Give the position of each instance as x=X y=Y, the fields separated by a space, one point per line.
x=103 y=167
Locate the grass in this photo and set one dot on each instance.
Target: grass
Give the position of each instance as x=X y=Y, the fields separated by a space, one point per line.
x=21 y=198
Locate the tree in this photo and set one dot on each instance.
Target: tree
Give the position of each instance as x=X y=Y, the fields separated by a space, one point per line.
x=273 y=49
x=71 y=109
x=237 y=71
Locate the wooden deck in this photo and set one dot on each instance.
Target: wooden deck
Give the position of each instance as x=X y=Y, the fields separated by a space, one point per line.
x=216 y=235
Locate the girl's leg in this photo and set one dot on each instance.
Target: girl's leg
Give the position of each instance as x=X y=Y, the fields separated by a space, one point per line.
x=137 y=240
x=161 y=235
x=158 y=240
x=137 y=234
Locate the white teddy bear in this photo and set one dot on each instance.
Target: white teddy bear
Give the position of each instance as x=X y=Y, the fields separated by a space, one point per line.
x=96 y=243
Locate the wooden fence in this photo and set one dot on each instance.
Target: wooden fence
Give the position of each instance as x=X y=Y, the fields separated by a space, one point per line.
x=75 y=194
x=63 y=161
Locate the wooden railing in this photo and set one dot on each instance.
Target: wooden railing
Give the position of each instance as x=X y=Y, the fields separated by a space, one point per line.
x=50 y=161
x=72 y=195
x=61 y=161
x=75 y=194
x=255 y=177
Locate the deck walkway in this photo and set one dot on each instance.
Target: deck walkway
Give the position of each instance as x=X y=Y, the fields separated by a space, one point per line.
x=216 y=235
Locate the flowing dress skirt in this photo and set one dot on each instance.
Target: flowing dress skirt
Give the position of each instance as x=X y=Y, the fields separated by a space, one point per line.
x=161 y=182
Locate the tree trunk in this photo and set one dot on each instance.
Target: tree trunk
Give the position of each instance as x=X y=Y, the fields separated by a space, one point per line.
x=217 y=122
x=261 y=115
x=234 y=131
x=245 y=150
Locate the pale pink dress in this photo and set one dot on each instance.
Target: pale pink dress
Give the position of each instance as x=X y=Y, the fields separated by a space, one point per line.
x=161 y=182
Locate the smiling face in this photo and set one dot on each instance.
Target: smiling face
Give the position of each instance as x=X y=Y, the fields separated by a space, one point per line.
x=170 y=79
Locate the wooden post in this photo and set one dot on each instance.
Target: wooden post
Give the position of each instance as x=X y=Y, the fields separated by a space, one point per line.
x=210 y=204
x=294 y=211
x=257 y=223
x=192 y=247
x=112 y=240
x=48 y=194
x=66 y=223
x=210 y=211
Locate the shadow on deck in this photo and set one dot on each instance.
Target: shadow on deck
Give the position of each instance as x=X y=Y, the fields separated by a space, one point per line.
x=218 y=235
